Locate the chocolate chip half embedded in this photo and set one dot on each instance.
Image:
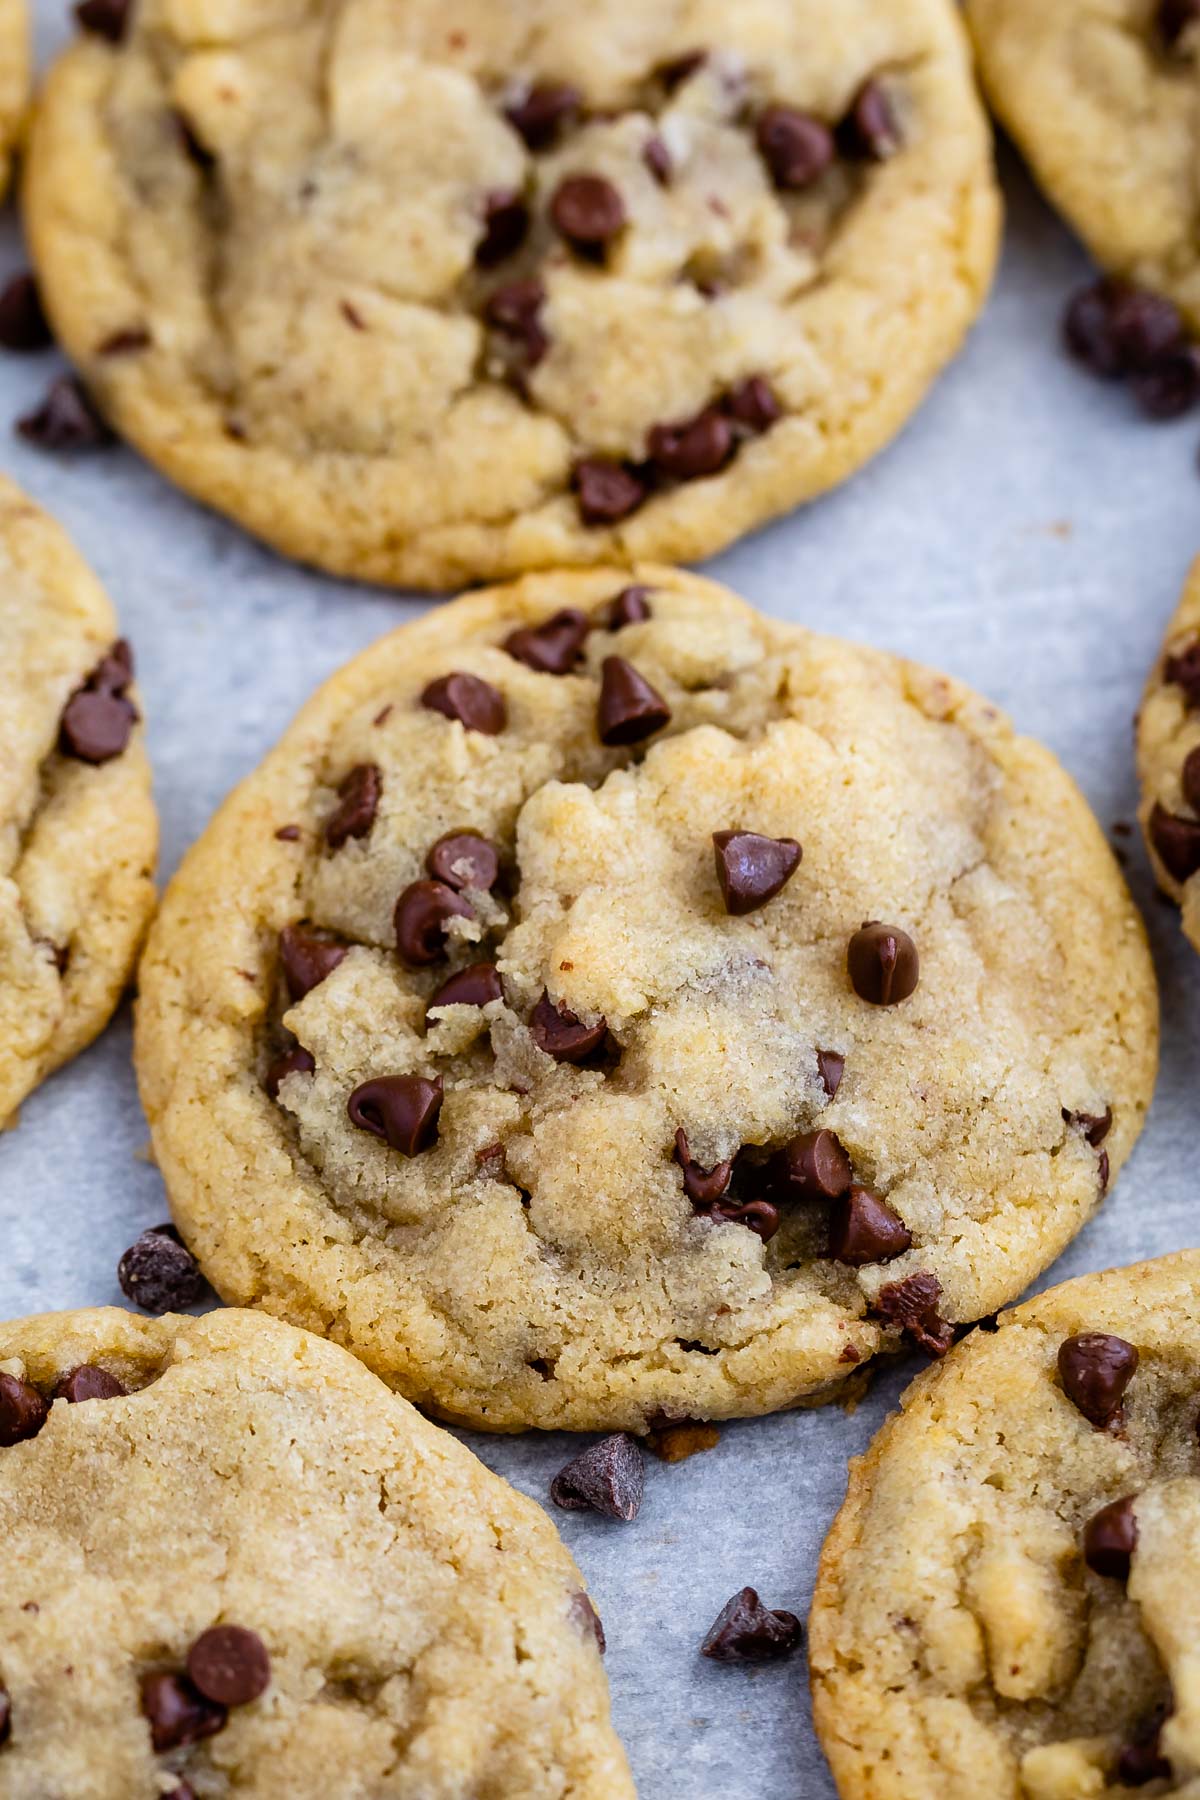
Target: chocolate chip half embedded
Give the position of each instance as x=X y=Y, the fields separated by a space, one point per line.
x=1177 y=842
x=693 y=448
x=464 y=859
x=703 y=1187
x=657 y=159
x=543 y=112
x=505 y=227
x=475 y=704
x=66 y=419
x=159 y=1273
x=555 y=646
x=177 y=1713
x=104 y=18
x=422 y=914
x=401 y=1109
x=358 y=796
x=1117 y=329
x=813 y=1166
x=758 y=1216
x=1174 y=17
x=913 y=1304
x=608 y=491
x=587 y=211
x=587 y=1618
x=1189 y=779
x=831 y=1066
x=5 y=1716
x=870 y=128
x=229 y=1665
x=1095 y=1369
x=629 y=709
x=1141 y=1760
x=98 y=719
x=298 y=1061
x=1095 y=1127
x=864 y=1229
x=752 y=869
x=516 y=310
x=1170 y=387
x=883 y=964
x=558 y=1032
x=630 y=607
x=746 y=1631
x=796 y=147
x=126 y=342
x=478 y=985
x=23 y=1411
x=679 y=69
x=753 y=405
x=23 y=323
x=608 y=1478
x=1110 y=1539
x=88 y=1382
x=306 y=959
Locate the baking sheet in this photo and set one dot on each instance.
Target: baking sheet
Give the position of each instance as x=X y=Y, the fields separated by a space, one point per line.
x=1028 y=533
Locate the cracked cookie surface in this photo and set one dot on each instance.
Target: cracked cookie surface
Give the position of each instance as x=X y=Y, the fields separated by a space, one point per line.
x=562 y=1079
x=429 y=293
x=78 y=832
x=403 y=1622
x=1168 y=753
x=1005 y=1603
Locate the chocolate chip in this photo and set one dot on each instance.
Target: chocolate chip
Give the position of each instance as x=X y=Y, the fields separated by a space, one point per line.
x=23 y=324
x=813 y=1166
x=912 y=1304
x=478 y=985
x=631 y=607
x=1095 y=1368
x=554 y=647
x=288 y=834
x=703 y=1187
x=66 y=419
x=229 y=1665
x=1189 y=779
x=306 y=959
x=746 y=1631
x=608 y=1478
x=674 y=73
x=863 y=1229
x=190 y=144
x=883 y=964
x=543 y=112
x=752 y=869
x=587 y=1618
x=796 y=147
x=5 y=1716
x=1103 y=1171
x=98 y=719
x=421 y=916
x=516 y=310
x=159 y=1273
x=657 y=159
x=125 y=342
x=23 y=1411
x=1177 y=842
x=1170 y=387
x=753 y=405
x=358 y=795
x=870 y=128
x=692 y=449
x=608 y=491
x=831 y=1067
x=178 y=1714
x=1094 y=1126
x=464 y=859
x=758 y=1216
x=629 y=709
x=1116 y=329
x=588 y=211
x=293 y=1062
x=1088 y=332
x=401 y=1109
x=505 y=226
x=104 y=18
x=1173 y=19
x=558 y=1033
x=87 y=1382
x=476 y=704
x=1110 y=1539
x=1141 y=1760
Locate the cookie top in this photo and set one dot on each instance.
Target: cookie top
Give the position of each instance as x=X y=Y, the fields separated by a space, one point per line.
x=1168 y=749
x=425 y=293
x=462 y=1040
x=78 y=833
x=236 y=1563
x=977 y=1628
x=14 y=81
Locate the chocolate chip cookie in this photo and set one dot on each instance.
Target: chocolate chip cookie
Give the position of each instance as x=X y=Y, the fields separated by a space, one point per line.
x=78 y=833
x=14 y=81
x=1005 y=1604
x=235 y=1563
x=606 y=1003
x=424 y=294
x=1168 y=747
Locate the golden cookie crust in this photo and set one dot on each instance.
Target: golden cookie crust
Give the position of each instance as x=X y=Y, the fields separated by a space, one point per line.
x=1167 y=733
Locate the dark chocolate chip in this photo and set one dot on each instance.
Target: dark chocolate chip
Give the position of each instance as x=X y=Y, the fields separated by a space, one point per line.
x=159 y=1273
x=1170 y=387
x=746 y=1631
x=629 y=709
x=864 y=1229
x=1177 y=842
x=657 y=159
x=587 y=1618
x=543 y=112
x=476 y=704
x=104 y=18
x=306 y=959
x=1110 y=1539
x=814 y=1166
x=358 y=797
x=796 y=147
x=288 y=834
x=753 y=406
x=752 y=869
x=97 y=725
x=1141 y=1760
x=421 y=916
x=558 y=1033
x=298 y=1061
x=1189 y=779
x=1088 y=330
x=1094 y=1126
x=401 y=1109
x=505 y=226
x=178 y=1714
x=1173 y=19
x=1095 y=1369
x=703 y=1187
x=555 y=646
x=693 y=448
x=516 y=310
x=229 y=1665
x=23 y=1411
x=870 y=128
x=5 y=1716
x=464 y=859
x=608 y=491
x=23 y=324
x=758 y=1216
x=912 y=1304
x=478 y=985
x=831 y=1067
x=608 y=1478
x=588 y=211
x=883 y=964
x=674 y=73
x=1117 y=329
x=87 y=1382
x=631 y=607
x=66 y=419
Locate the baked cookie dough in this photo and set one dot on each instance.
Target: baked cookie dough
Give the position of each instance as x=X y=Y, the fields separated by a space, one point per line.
x=607 y=1003
x=14 y=81
x=235 y=1563
x=1168 y=748
x=78 y=832
x=1006 y=1603
x=428 y=293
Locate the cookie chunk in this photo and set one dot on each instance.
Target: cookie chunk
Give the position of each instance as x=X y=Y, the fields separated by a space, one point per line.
x=589 y=1020
x=1168 y=748
x=14 y=81
x=78 y=833
x=424 y=294
x=1005 y=1603
x=236 y=1563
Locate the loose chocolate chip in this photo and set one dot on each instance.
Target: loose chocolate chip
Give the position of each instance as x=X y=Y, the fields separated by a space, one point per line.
x=306 y=959
x=478 y=985
x=178 y=1714
x=870 y=128
x=422 y=913
x=912 y=1304
x=1095 y=1369
x=464 y=859
x=23 y=1411
x=863 y=1229
x=608 y=491
x=66 y=419
x=703 y=1187
x=693 y=448
x=631 y=607
x=87 y=1382
x=657 y=159
x=1088 y=330
x=5 y=1716
x=796 y=147
x=358 y=795
x=588 y=1619
x=159 y=1273
x=1174 y=17
x=1094 y=1126
x=505 y=225
x=629 y=709
x=1189 y=779
x=758 y=1216
x=1110 y=1539
x=104 y=18
x=746 y=1631
x=475 y=704
x=401 y=1109
x=752 y=869
x=1177 y=841
x=229 y=1665
x=543 y=112
x=588 y=211
x=23 y=324
x=294 y=1062
x=1118 y=329
x=831 y=1067
x=558 y=1033
x=753 y=406
x=1170 y=387
x=554 y=647
x=608 y=1478
x=814 y=1166
x=516 y=310
x=1141 y=1760
x=883 y=964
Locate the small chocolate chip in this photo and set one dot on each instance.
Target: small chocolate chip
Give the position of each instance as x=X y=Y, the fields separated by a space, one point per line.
x=358 y=796
x=421 y=916
x=505 y=226
x=631 y=607
x=1110 y=1539
x=477 y=985
x=464 y=859
x=796 y=147
x=608 y=1478
x=543 y=112
x=288 y=834
x=912 y=1304
x=703 y=1187
x=475 y=704
x=1094 y=1126
x=758 y=1216
x=23 y=324
x=883 y=964
x=558 y=1033
x=746 y=1631
x=87 y=1382
x=1173 y=19
x=693 y=448
x=229 y=1665
x=1189 y=779
x=1141 y=1760
x=516 y=310
x=178 y=1715
x=863 y=1229
x=752 y=869
x=306 y=960
x=588 y=211
x=753 y=406
x=298 y=1061
x=66 y=419
x=1177 y=842
x=401 y=1109
x=657 y=159
x=555 y=646
x=1095 y=1369
x=126 y=342
x=629 y=709
x=813 y=1166
x=1116 y=329
x=587 y=1618
x=608 y=491
x=870 y=128
x=831 y=1067
x=1170 y=387
x=159 y=1273
x=23 y=1411
x=104 y=18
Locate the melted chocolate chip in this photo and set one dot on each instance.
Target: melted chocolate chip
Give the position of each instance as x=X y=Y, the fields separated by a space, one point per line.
x=177 y=1713
x=401 y=1109
x=1095 y=1369
x=543 y=112
x=1177 y=842
x=752 y=869
x=555 y=646
x=87 y=1382
x=297 y=1061
x=796 y=147
x=66 y=419
x=864 y=1229
x=422 y=913
x=98 y=719
x=608 y=1478
x=229 y=1665
x=475 y=704
x=477 y=985
x=831 y=1067
x=631 y=607
x=693 y=448
x=1174 y=17
x=883 y=964
x=813 y=1166
x=23 y=324
x=753 y=406
x=758 y=1216
x=1110 y=1539
x=23 y=1411
x=746 y=1631
x=516 y=310
x=306 y=960
x=104 y=18
x=1094 y=1126
x=870 y=129
x=588 y=212
x=159 y=1273
x=505 y=227
x=464 y=859
x=629 y=709
x=703 y=1187
x=608 y=491
x=587 y=1618
x=657 y=159
x=912 y=1304
x=558 y=1032
x=358 y=795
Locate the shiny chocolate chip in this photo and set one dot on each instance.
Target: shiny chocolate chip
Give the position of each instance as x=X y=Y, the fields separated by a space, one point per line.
x=177 y=1713
x=1095 y=1369
x=864 y=1229
x=88 y=1382
x=607 y=491
x=752 y=869
x=693 y=448
x=159 y=1273
x=1110 y=1539
x=477 y=985
x=108 y=19
x=747 y=1631
x=66 y=419
x=23 y=323
x=796 y=147
x=297 y=1061
x=1177 y=843
x=558 y=1033
x=543 y=112
x=401 y=1109
x=588 y=211
x=229 y=1665
x=630 y=607
x=422 y=915
x=306 y=959
x=475 y=704
x=813 y=1166
x=629 y=709
x=23 y=1411
x=758 y=1216
x=883 y=964
x=464 y=859
x=913 y=1305
x=607 y=1478
x=358 y=798
x=831 y=1066
x=870 y=129
x=703 y=1187
x=505 y=227
x=553 y=647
